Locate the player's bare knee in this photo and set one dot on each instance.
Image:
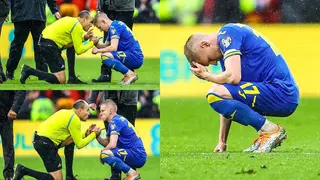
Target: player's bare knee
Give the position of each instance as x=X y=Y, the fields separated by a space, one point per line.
x=106 y=153
x=220 y=90
x=105 y=56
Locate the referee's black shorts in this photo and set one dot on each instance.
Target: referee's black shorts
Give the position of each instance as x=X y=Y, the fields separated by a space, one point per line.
x=51 y=53
x=48 y=152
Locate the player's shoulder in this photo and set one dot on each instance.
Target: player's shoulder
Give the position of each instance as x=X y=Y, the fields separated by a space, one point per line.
x=232 y=29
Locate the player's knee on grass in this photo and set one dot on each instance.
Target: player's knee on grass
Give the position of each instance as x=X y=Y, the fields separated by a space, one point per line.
x=220 y=90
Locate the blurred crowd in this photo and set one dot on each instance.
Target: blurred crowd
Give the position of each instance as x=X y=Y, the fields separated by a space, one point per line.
x=39 y=105
x=245 y=11
x=146 y=11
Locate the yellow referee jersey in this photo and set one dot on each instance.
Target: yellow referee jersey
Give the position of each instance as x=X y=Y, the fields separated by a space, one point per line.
x=66 y=31
x=63 y=124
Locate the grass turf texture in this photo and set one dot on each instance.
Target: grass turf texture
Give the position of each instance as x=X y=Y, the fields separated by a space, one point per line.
x=189 y=133
x=89 y=69
x=90 y=167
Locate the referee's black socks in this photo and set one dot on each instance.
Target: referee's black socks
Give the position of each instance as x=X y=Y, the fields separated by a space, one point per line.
x=50 y=78
x=36 y=174
x=68 y=153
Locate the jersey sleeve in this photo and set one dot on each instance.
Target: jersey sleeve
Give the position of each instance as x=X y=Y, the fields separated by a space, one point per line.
x=74 y=127
x=77 y=36
x=115 y=32
x=230 y=41
x=114 y=128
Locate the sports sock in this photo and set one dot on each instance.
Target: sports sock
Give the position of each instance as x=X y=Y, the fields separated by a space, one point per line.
x=38 y=175
x=68 y=153
x=116 y=65
x=71 y=56
x=50 y=78
x=115 y=162
x=236 y=111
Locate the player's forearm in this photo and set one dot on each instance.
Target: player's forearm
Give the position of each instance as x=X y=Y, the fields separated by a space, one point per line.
x=222 y=78
x=103 y=141
x=102 y=45
x=111 y=146
x=225 y=125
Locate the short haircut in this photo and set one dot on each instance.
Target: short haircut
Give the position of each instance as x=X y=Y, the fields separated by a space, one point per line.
x=189 y=50
x=84 y=14
x=98 y=15
x=110 y=102
x=80 y=104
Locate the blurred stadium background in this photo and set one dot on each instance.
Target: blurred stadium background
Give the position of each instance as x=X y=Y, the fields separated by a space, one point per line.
x=39 y=105
x=146 y=25
x=189 y=126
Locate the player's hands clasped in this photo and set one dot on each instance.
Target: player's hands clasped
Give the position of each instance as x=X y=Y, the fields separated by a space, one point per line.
x=221 y=147
x=199 y=70
x=97 y=130
x=95 y=40
x=90 y=129
x=89 y=34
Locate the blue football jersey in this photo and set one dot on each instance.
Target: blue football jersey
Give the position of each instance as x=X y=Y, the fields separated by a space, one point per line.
x=260 y=59
x=128 y=138
x=122 y=32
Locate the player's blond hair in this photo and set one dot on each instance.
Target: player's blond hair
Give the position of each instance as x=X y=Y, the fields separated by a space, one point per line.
x=190 y=48
x=110 y=102
x=99 y=15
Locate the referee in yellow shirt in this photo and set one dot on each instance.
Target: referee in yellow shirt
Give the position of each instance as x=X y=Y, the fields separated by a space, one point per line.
x=64 y=33
x=60 y=129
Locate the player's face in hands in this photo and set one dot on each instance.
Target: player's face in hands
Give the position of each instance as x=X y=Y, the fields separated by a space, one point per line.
x=208 y=54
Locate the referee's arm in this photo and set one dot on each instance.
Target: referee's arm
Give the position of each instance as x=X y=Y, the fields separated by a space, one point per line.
x=76 y=35
x=76 y=134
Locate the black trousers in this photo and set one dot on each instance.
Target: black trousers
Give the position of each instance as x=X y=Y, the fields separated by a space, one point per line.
x=1 y=23
x=6 y=132
x=21 y=33
x=124 y=16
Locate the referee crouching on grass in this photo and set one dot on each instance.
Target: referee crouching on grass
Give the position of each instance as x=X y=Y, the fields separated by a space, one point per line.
x=59 y=130
x=10 y=104
x=64 y=33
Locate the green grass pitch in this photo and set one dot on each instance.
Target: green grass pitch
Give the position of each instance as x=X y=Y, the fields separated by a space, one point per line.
x=189 y=133
x=89 y=168
x=88 y=69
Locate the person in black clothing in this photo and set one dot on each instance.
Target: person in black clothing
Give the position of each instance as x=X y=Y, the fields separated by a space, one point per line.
x=127 y=107
x=4 y=11
x=28 y=17
x=121 y=10
x=10 y=103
